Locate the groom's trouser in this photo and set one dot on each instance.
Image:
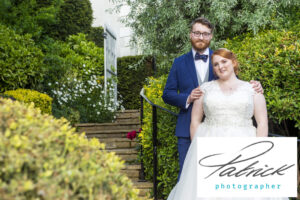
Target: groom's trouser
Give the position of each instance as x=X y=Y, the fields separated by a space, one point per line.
x=183 y=144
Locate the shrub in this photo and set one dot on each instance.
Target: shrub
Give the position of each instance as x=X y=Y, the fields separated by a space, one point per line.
x=96 y=35
x=33 y=17
x=168 y=166
x=73 y=65
x=132 y=72
x=43 y=158
x=66 y=60
x=74 y=16
x=21 y=62
x=272 y=57
x=85 y=100
x=41 y=101
x=86 y=53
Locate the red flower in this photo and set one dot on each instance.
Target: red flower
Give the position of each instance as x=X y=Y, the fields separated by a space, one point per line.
x=131 y=135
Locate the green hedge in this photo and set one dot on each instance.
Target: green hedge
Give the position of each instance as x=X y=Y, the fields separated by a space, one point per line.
x=168 y=166
x=72 y=68
x=73 y=17
x=273 y=58
x=70 y=59
x=41 y=101
x=132 y=72
x=21 y=62
x=96 y=35
x=43 y=158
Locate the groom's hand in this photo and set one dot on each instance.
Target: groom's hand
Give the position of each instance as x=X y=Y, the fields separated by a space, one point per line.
x=195 y=94
x=257 y=86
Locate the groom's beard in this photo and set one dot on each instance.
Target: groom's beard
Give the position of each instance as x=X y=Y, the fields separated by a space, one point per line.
x=200 y=45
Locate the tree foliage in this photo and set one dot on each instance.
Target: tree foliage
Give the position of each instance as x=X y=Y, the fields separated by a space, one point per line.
x=162 y=27
x=75 y=16
x=21 y=62
x=42 y=18
x=96 y=35
x=29 y=16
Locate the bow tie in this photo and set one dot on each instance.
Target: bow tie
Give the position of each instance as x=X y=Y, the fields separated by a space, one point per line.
x=201 y=57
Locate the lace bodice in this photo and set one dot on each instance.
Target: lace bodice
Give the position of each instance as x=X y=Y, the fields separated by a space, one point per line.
x=234 y=109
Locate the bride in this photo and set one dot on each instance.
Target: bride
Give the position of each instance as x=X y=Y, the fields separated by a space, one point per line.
x=228 y=105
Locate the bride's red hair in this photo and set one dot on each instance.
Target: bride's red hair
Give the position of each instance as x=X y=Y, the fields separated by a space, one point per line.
x=229 y=55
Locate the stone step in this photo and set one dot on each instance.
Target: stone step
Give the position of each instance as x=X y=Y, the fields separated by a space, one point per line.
x=125 y=151
x=132 y=171
x=135 y=120
x=129 y=111
x=132 y=167
x=129 y=155
x=132 y=174
x=143 y=185
x=145 y=193
x=128 y=115
x=108 y=133
x=129 y=158
x=108 y=126
x=145 y=188
x=116 y=142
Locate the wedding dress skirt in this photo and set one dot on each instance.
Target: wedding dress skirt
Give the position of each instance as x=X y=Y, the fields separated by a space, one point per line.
x=227 y=115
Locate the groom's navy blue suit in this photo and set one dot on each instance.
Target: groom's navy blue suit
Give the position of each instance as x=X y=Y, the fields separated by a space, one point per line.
x=181 y=81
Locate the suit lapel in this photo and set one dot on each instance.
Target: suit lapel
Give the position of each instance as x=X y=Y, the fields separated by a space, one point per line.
x=191 y=68
x=211 y=71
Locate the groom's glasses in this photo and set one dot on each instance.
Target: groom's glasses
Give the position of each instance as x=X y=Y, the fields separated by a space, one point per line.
x=197 y=34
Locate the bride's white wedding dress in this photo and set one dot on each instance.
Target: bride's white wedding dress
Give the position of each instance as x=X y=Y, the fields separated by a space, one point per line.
x=226 y=115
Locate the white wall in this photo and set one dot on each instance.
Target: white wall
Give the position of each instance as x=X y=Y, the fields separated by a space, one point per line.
x=103 y=17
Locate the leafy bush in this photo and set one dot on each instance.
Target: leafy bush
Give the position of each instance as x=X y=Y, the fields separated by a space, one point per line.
x=84 y=100
x=132 y=72
x=43 y=158
x=66 y=60
x=168 y=166
x=73 y=65
x=272 y=57
x=21 y=62
x=96 y=35
x=41 y=101
x=30 y=16
x=86 y=53
x=74 y=16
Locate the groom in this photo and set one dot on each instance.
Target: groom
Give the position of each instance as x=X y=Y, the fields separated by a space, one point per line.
x=188 y=72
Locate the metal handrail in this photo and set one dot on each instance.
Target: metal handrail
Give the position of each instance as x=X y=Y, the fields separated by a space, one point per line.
x=153 y=104
x=154 y=136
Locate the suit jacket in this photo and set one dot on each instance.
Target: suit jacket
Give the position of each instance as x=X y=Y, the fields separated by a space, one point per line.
x=181 y=81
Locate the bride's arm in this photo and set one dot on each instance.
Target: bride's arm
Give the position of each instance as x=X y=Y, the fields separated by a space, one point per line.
x=261 y=116
x=197 y=115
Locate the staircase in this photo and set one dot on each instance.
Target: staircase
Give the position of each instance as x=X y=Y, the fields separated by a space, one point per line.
x=114 y=136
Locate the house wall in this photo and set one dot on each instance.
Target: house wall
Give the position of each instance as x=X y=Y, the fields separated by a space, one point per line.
x=102 y=17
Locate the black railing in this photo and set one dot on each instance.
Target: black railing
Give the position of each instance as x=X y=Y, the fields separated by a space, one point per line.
x=154 y=138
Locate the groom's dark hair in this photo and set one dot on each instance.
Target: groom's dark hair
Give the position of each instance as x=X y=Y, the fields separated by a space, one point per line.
x=203 y=21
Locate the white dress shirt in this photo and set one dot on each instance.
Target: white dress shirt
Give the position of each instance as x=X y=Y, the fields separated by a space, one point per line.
x=201 y=67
